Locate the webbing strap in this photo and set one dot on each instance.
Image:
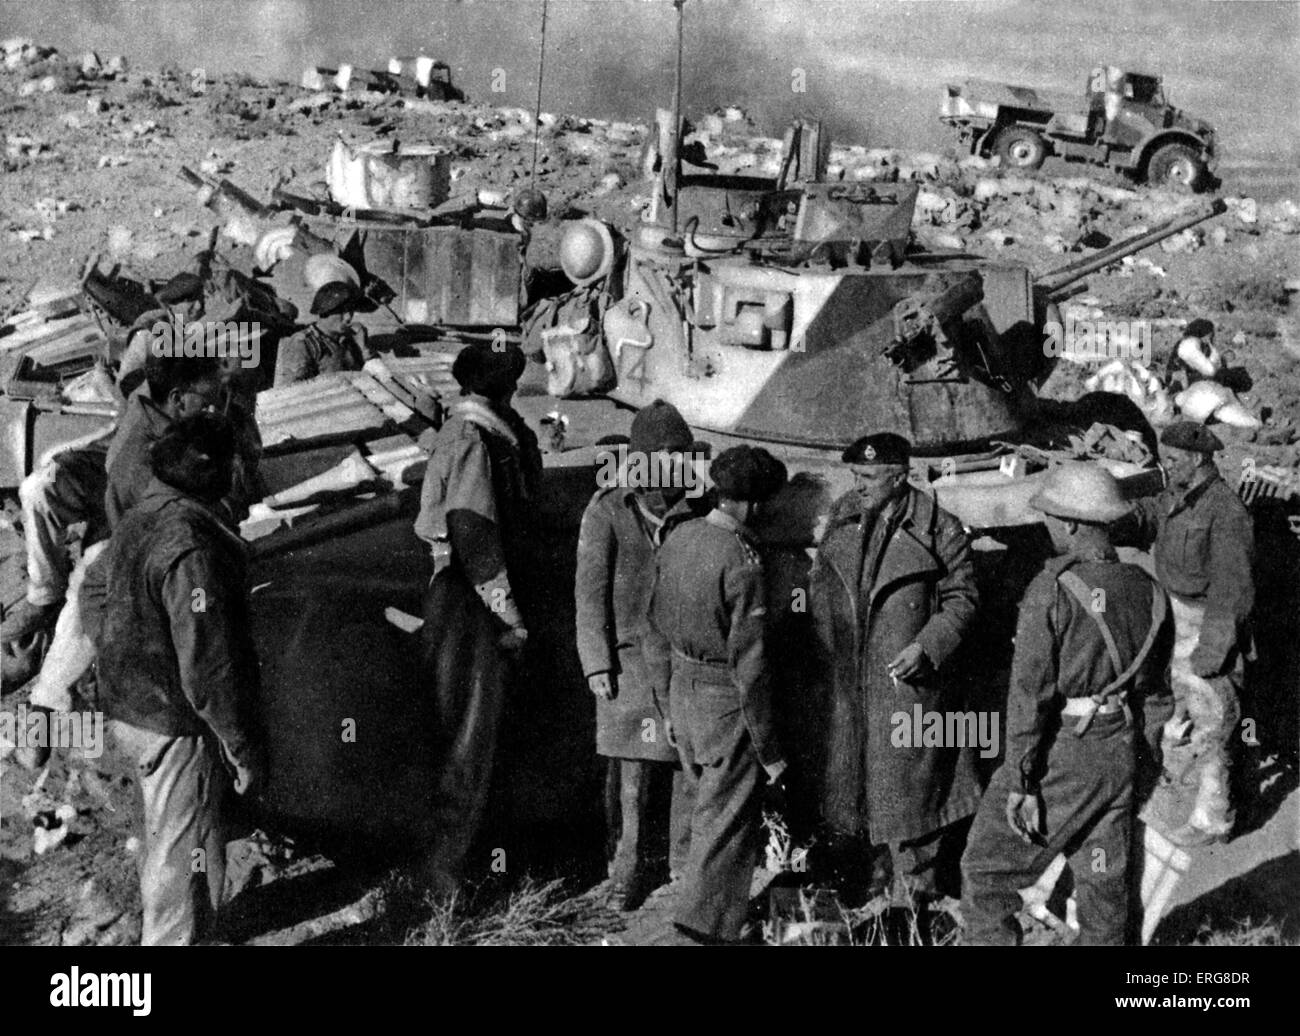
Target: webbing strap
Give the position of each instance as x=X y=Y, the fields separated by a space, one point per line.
x=1082 y=593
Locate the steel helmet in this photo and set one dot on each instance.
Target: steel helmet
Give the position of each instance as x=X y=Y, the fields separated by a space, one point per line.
x=530 y=204
x=586 y=251
x=1081 y=491
x=327 y=268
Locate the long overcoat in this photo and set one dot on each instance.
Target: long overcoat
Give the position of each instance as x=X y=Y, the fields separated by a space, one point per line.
x=612 y=584
x=867 y=605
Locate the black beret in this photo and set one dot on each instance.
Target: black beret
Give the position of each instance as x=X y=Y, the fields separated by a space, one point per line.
x=194 y=455
x=747 y=473
x=1190 y=435
x=334 y=297
x=184 y=287
x=881 y=448
x=1199 y=328
x=488 y=369
x=660 y=426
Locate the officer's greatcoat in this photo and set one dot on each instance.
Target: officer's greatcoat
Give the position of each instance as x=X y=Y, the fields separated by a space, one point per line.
x=875 y=588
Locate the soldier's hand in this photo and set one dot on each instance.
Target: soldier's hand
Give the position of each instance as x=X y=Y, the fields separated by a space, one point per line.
x=250 y=774
x=602 y=686
x=513 y=640
x=776 y=794
x=669 y=733
x=1202 y=666
x=909 y=663
x=1025 y=816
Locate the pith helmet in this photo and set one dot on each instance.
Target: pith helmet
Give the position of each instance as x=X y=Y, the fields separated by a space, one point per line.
x=1082 y=492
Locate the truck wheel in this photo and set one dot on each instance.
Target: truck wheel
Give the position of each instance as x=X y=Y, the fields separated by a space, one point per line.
x=1020 y=148
x=1176 y=166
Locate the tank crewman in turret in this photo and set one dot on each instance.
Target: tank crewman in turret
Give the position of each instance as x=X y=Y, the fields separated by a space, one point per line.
x=705 y=659
x=1092 y=643
x=482 y=479
x=332 y=343
x=653 y=492
x=1203 y=545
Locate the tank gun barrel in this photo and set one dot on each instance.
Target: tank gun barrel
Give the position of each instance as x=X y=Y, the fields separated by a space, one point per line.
x=1056 y=281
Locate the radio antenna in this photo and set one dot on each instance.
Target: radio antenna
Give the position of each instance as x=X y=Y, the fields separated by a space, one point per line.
x=537 y=109
x=677 y=116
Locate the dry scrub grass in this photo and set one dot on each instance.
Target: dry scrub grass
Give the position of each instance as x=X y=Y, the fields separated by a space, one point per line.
x=533 y=914
x=1245 y=933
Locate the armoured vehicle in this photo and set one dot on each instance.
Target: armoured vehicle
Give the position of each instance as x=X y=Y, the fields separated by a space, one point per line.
x=791 y=311
x=1122 y=121
x=800 y=313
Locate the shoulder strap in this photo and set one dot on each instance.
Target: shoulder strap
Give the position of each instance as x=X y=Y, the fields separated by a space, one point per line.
x=1082 y=593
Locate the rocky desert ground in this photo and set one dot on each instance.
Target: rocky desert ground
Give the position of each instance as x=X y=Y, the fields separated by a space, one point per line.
x=92 y=151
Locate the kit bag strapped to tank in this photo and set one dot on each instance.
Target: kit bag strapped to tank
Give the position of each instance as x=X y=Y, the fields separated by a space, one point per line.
x=1117 y=688
x=566 y=329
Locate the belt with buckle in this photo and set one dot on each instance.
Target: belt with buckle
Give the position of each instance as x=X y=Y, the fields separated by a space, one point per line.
x=1084 y=706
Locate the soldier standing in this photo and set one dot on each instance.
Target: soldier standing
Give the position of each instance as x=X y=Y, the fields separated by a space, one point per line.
x=1091 y=644
x=180 y=683
x=704 y=655
x=483 y=474
x=623 y=525
x=892 y=593
x=1203 y=546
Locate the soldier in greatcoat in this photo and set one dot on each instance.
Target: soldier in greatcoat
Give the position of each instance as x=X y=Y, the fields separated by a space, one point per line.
x=892 y=593
x=623 y=525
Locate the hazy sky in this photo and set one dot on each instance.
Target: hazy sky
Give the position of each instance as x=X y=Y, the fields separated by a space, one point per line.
x=874 y=69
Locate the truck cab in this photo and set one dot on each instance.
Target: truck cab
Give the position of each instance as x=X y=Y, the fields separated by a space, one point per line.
x=1124 y=122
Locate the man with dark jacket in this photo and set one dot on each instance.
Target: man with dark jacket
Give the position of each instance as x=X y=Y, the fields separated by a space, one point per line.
x=1203 y=545
x=892 y=593
x=623 y=525
x=174 y=387
x=1092 y=642
x=179 y=675
x=475 y=513
x=181 y=302
x=706 y=660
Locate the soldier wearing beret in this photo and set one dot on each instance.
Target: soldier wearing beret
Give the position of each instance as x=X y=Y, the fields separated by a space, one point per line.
x=181 y=302
x=332 y=343
x=482 y=480
x=1203 y=545
x=706 y=663
x=626 y=521
x=892 y=593
x=1092 y=642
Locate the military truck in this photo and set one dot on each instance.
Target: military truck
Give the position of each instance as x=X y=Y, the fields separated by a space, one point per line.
x=1123 y=121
